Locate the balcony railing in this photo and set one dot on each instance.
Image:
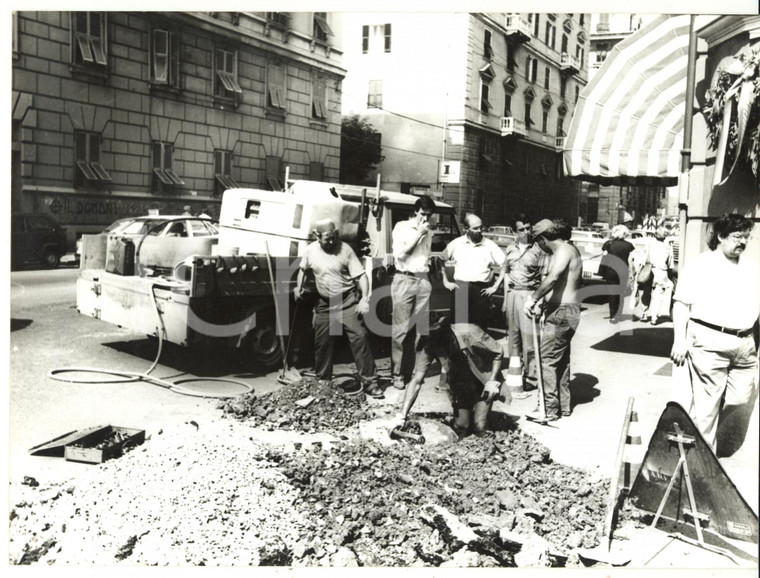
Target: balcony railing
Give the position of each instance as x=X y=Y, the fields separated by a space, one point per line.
x=568 y=63
x=512 y=126
x=517 y=28
x=559 y=143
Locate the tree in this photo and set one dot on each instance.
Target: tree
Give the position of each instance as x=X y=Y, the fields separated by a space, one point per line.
x=360 y=150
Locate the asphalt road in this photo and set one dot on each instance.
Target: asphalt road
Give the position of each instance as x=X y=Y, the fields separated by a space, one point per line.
x=610 y=363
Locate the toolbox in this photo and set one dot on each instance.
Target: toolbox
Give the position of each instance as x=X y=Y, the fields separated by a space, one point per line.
x=93 y=445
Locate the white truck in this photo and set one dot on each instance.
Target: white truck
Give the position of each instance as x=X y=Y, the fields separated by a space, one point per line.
x=225 y=295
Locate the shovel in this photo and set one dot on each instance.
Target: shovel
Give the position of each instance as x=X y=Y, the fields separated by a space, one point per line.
x=541 y=418
x=287 y=375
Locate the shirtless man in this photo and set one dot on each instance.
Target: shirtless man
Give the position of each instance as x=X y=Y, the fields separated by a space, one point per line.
x=559 y=291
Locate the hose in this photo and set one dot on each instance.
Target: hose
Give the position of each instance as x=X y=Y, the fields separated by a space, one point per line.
x=130 y=376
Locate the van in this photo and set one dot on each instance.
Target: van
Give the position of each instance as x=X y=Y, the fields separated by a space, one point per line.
x=38 y=239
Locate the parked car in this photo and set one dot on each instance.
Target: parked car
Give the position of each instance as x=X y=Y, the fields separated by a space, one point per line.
x=36 y=238
x=164 y=240
x=502 y=235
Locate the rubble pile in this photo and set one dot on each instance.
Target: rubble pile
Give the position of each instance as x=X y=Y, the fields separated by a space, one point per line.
x=479 y=502
x=307 y=405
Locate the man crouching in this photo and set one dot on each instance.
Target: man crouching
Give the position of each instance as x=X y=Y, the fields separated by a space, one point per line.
x=474 y=368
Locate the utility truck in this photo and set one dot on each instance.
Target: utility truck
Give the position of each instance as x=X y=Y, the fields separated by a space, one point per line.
x=224 y=292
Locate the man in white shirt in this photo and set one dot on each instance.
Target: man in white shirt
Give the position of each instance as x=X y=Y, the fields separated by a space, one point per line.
x=717 y=305
x=410 y=289
x=475 y=258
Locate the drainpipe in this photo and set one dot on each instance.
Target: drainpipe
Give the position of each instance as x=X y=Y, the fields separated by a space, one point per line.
x=683 y=181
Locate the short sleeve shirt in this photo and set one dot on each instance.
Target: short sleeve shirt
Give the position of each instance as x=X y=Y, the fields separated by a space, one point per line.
x=334 y=274
x=525 y=265
x=719 y=291
x=418 y=261
x=472 y=262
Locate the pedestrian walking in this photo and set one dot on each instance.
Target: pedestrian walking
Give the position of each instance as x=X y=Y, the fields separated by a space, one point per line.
x=614 y=268
x=716 y=311
x=557 y=296
x=338 y=274
x=524 y=266
x=410 y=288
x=660 y=257
x=474 y=258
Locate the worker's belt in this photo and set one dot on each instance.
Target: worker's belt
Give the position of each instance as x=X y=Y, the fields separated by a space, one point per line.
x=728 y=330
x=422 y=275
x=520 y=287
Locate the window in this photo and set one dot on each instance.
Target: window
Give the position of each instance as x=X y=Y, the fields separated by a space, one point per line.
x=88 y=172
x=581 y=19
x=163 y=177
x=564 y=43
x=319 y=99
x=320 y=29
x=376 y=38
x=560 y=126
x=507 y=104
x=89 y=40
x=536 y=24
x=375 y=94
x=531 y=69
x=551 y=35
x=222 y=172
x=562 y=87
x=274 y=172
x=545 y=122
x=225 y=77
x=487 y=49
x=547 y=77
x=316 y=172
x=276 y=94
x=278 y=20
x=485 y=105
x=164 y=58
x=528 y=122
x=580 y=53
x=577 y=93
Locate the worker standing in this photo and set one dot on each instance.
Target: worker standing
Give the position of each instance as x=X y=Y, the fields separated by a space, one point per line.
x=559 y=292
x=474 y=259
x=337 y=274
x=410 y=289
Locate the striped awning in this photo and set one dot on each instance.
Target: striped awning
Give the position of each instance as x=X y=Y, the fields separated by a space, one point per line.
x=628 y=123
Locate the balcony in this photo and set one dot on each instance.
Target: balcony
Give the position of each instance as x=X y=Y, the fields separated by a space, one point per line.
x=510 y=126
x=569 y=64
x=559 y=142
x=518 y=30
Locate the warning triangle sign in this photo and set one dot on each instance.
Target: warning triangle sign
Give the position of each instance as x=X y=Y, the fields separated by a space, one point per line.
x=720 y=507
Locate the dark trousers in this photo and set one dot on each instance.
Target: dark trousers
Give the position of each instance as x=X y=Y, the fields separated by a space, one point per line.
x=559 y=327
x=330 y=322
x=468 y=305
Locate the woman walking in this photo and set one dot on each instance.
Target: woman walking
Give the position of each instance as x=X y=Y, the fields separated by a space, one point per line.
x=615 y=268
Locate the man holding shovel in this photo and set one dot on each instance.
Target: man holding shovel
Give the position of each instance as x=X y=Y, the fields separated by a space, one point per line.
x=559 y=292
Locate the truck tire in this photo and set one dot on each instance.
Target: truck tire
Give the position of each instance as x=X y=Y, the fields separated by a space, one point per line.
x=263 y=344
x=51 y=258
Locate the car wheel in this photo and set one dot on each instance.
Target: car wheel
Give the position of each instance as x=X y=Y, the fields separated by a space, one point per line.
x=51 y=259
x=263 y=344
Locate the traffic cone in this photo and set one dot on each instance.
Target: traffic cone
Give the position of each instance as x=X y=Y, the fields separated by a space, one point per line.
x=633 y=453
x=514 y=378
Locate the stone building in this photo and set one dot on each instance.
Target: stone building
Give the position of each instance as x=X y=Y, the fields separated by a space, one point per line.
x=119 y=113
x=471 y=107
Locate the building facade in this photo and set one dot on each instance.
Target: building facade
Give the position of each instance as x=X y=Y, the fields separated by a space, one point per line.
x=610 y=203
x=118 y=113
x=471 y=107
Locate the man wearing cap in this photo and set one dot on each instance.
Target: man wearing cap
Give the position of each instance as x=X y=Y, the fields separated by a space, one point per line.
x=474 y=360
x=524 y=265
x=559 y=292
x=410 y=289
x=474 y=259
x=716 y=309
x=337 y=274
